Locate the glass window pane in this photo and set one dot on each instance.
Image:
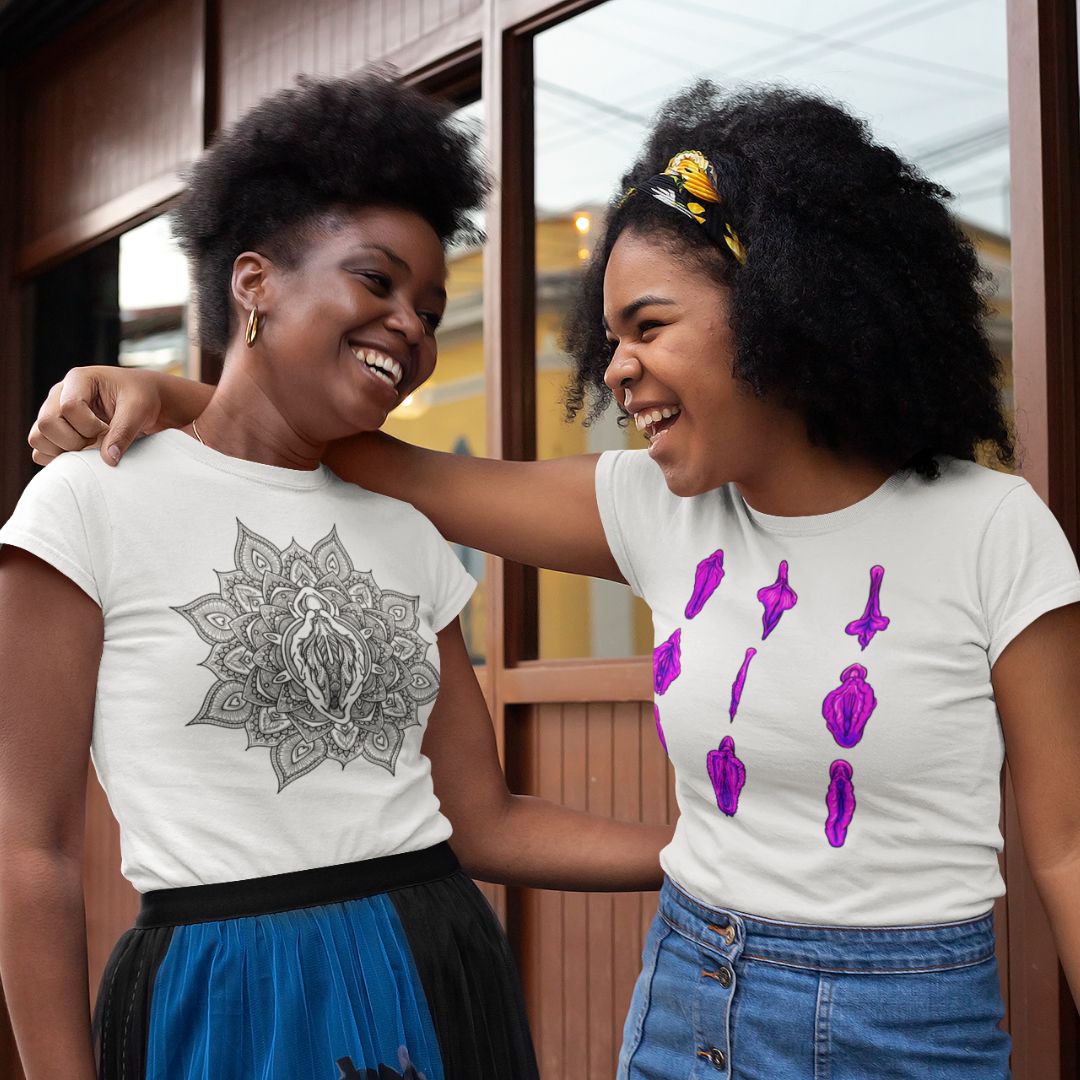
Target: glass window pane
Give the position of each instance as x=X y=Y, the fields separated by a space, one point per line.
x=124 y=301
x=449 y=411
x=154 y=300
x=929 y=77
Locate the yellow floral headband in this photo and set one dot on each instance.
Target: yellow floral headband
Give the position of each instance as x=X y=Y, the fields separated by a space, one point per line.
x=688 y=185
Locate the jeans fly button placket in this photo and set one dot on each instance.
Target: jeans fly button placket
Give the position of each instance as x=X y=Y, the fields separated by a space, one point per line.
x=726 y=932
x=724 y=976
x=714 y=1056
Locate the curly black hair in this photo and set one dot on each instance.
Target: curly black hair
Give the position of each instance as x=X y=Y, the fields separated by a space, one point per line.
x=305 y=154
x=861 y=302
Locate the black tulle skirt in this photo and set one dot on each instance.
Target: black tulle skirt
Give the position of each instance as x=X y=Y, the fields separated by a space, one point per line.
x=395 y=967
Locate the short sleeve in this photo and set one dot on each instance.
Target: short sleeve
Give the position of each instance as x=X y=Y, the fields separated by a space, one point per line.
x=1025 y=567
x=451 y=584
x=61 y=518
x=617 y=484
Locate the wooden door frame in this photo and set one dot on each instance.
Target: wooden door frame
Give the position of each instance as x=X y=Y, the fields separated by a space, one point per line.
x=1044 y=136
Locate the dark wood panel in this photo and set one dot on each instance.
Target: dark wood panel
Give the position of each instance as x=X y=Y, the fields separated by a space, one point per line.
x=265 y=44
x=110 y=109
x=580 y=953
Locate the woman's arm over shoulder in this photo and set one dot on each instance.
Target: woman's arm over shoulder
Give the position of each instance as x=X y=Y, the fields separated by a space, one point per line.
x=110 y=407
x=50 y=646
x=541 y=513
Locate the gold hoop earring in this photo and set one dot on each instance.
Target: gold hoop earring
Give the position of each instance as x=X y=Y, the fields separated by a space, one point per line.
x=252 y=331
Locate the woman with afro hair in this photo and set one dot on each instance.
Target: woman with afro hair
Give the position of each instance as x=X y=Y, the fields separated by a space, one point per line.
x=856 y=619
x=303 y=914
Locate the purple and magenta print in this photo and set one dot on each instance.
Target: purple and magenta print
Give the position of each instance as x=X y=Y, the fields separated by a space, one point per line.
x=776 y=599
x=840 y=802
x=709 y=574
x=872 y=621
x=847 y=708
x=740 y=682
x=728 y=774
x=667 y=662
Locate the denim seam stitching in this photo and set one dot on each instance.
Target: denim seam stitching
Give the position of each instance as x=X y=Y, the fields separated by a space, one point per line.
x=639 y=1026
x=928 y=969
x=683 y=933
x=823 y=1013
x=693 y=900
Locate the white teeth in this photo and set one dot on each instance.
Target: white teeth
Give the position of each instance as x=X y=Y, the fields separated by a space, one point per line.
x=381 y=365
x=645 y=420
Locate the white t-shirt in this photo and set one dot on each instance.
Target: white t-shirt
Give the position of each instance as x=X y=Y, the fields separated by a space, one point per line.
x=823 y=685
x=269 y=663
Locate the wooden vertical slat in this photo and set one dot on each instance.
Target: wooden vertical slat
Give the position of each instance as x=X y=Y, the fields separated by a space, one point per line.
x=627 y=907
x=575 y=905
x=601 y=945
x=580 y=953
x=548 y=997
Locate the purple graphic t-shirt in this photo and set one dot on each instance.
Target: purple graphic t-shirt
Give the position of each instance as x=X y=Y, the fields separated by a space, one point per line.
x=824 y=684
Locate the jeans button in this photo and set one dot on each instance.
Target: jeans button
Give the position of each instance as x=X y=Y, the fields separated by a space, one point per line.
x=717 y=1058
x=726 y=932
x=723 y=977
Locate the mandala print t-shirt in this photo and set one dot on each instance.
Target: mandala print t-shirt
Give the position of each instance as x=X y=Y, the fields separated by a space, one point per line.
x=823 y=685
x=270 y=657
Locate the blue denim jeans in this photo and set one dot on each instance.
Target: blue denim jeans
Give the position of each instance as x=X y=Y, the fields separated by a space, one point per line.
x=727 y=996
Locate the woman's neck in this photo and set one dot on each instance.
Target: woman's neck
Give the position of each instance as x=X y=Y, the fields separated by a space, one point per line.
x=242 y=421
x=801 y=480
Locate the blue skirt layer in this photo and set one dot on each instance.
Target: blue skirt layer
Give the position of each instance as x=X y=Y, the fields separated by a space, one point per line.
x=290 y=995
x=414 y=982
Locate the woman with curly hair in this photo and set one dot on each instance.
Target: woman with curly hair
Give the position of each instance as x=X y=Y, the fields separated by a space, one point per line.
x=855 y=621
x=303 y=914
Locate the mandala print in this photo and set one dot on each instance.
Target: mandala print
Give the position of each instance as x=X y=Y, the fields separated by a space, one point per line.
x=313 y=660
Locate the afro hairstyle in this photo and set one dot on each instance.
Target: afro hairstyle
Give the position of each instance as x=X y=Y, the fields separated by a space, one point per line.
x=310 y=152
x=860 y=304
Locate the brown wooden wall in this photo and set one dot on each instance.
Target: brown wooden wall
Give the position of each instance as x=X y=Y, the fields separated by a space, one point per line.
x=108 y=115
x=265 y=45
x=580 y=952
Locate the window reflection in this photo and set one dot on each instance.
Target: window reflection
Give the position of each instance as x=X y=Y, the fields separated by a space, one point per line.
x=153 y=300
x=930 y=78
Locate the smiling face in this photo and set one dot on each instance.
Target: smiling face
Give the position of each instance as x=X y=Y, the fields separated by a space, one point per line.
x=349 y=331
x=671 y=366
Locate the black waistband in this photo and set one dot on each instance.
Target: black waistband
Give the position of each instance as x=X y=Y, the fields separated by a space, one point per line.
x=303 y=888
